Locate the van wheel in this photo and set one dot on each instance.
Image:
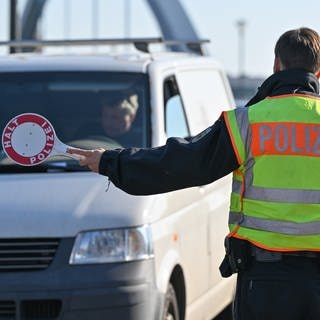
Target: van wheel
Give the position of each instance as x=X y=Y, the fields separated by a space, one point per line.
x=171 y=308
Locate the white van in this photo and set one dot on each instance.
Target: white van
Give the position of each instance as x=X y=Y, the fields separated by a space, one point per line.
x=73 y=247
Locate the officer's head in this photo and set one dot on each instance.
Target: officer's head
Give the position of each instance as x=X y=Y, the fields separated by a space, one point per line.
x=298 y=49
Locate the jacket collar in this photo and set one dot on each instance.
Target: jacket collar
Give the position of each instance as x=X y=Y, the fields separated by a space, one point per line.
x=287 y=82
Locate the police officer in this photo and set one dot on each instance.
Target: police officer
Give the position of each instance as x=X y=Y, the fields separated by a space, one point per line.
x=272 y=146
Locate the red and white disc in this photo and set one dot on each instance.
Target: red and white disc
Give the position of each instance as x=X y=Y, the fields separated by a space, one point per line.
x=28 y=139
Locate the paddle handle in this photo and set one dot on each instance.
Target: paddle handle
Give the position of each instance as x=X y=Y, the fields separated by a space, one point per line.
x=61 y=149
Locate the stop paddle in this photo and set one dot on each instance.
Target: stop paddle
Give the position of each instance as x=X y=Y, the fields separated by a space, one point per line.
x=29 y=139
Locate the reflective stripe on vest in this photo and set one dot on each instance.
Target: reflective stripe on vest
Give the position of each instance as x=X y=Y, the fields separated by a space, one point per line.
x=277 y=194
x=284 y=227
x=276 y=188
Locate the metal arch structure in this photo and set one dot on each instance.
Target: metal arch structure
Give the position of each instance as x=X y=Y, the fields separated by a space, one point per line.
x=173 y=21
x=30 y=17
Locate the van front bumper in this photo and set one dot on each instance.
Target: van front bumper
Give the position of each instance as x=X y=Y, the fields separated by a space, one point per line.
x=117 y=291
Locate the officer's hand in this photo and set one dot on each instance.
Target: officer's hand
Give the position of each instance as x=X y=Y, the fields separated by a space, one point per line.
x=90 y=158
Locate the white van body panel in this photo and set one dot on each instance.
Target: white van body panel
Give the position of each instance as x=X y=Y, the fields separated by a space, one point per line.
x=75 y=202
x=192 y=227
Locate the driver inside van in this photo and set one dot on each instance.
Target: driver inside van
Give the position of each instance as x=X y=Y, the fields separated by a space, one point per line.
x=117 y=115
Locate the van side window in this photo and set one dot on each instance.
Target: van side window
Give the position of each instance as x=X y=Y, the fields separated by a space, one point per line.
x=205 y=96
x=175 y=119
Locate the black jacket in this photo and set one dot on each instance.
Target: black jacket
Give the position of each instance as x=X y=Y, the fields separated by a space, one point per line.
x=207 y=157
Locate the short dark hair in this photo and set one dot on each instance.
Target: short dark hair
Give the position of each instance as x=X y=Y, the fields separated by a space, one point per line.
x=299 y=48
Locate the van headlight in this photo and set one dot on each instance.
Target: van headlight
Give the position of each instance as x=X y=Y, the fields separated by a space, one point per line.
x=113 y=245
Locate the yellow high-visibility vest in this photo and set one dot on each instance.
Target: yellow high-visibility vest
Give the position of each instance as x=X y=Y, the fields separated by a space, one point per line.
x=275 y=200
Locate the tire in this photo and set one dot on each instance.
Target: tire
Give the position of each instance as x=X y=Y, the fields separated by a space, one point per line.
x=171 y=307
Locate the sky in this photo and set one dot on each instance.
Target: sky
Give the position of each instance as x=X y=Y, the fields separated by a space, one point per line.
x=215 y=20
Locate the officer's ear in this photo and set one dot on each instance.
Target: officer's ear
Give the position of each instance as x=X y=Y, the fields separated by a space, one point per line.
x=317 y=74
x=277 y=65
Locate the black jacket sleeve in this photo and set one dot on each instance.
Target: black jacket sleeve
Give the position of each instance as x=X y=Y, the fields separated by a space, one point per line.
x=176 y=165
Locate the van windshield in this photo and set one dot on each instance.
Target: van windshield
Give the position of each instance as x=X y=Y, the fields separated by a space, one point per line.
x=87 y=109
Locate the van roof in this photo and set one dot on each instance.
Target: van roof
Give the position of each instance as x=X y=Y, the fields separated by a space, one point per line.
x=132 y=62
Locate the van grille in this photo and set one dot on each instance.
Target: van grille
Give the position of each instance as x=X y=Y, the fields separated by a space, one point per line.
x=27 y=254
x=40 y=309
x=7 y=310
x=30 y=309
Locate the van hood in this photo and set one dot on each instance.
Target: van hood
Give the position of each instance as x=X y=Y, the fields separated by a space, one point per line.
x=63 y=204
